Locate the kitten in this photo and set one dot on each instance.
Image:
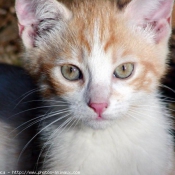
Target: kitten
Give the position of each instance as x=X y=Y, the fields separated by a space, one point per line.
x=99 y=67
x=17 y=102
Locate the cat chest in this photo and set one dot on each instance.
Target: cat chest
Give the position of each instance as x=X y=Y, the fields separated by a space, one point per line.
x=106 y=153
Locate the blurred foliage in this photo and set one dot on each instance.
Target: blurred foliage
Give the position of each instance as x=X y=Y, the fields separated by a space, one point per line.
x=9 y=40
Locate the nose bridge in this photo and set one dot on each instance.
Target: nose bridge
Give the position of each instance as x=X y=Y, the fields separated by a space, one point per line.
x=100 y=75
x=99 y=87
x=98 y=92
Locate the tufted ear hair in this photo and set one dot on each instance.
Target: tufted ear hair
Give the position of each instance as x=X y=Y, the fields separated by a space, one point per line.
x=152 y=14
x=36 y=18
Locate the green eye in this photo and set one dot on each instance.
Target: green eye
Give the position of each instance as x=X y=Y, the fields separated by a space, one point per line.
x=124 y=70
x=71 y=73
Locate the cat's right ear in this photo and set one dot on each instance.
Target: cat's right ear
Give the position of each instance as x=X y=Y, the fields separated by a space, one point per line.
x=37 y=18
x=152 y=17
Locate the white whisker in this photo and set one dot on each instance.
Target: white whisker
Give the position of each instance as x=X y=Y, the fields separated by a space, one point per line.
x=56 y=132
x=60 y=146
x=162 y=85
x=43 y=100
x=36 y=121
x=40 y=107
x=37 y=135
x=26 y=95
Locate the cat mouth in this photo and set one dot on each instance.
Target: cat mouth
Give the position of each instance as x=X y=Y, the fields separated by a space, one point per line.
x=100 y=118
x=98 y=123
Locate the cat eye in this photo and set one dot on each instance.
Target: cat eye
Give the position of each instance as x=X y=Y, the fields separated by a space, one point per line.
x=124 y=70
x=71 y=73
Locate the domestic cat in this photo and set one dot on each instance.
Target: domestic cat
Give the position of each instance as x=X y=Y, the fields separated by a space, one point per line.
x=18 y=105
x=99 y=67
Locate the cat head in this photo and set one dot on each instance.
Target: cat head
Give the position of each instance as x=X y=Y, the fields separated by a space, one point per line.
x=101 y=59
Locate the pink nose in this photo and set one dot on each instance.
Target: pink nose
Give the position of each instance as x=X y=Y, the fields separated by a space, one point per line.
x=98 y=107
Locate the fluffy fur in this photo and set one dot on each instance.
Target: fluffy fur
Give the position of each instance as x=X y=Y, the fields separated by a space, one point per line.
x=133 y=138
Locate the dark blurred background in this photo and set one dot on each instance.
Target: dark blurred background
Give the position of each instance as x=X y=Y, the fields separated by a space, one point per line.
x=9 y=40
x=11 y=46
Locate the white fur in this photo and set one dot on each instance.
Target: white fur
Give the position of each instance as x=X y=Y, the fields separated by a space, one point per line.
x=138 y=144
x=133 y=139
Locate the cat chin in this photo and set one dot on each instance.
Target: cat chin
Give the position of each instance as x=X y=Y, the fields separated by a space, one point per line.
x=98 y=124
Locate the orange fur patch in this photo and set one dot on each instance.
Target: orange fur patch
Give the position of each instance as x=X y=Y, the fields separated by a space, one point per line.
x=114 y=34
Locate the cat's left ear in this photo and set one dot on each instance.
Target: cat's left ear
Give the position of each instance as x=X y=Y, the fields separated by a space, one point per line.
x=38 y=18
x=154 y=15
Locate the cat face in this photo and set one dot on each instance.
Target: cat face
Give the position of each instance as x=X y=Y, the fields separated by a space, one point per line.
x=102 y=61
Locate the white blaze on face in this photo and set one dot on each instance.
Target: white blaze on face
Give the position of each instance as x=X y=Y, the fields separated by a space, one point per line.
x=100 y=71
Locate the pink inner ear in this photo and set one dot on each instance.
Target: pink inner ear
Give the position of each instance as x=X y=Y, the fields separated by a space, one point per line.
x=162 y=19
x=155 y=13
x=164 y=10
x=21 y=29
x=169 y=20
x=25 y=12
x=161 y=30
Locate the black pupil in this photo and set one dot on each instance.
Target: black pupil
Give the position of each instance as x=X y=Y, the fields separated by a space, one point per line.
x=124 y=68
x=71 y=69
